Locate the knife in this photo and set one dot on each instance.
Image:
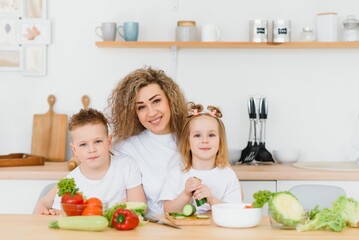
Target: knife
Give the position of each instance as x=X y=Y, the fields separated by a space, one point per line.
x=154 y=219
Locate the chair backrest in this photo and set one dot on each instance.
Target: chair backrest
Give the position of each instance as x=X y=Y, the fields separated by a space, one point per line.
x=46 y=189
x=311 y=195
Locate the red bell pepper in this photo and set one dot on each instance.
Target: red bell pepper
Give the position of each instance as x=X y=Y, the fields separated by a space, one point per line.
x=124 y=219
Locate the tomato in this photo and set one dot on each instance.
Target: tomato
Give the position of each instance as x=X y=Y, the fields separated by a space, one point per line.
x=94 y=202
x=248 y=206
x=77 y=198
x=92 y=210
x=72 y=205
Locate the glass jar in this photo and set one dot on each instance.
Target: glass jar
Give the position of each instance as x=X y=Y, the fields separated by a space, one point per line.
x=350 y=31
x=186 y=31
x=307 y=35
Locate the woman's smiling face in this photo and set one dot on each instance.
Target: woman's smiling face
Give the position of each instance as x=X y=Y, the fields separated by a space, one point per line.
x=153 y=110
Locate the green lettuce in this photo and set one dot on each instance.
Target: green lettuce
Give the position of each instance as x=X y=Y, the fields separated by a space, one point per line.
x=344 y=212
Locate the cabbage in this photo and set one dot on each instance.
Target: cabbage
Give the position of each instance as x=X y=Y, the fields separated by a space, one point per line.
x=285 y=208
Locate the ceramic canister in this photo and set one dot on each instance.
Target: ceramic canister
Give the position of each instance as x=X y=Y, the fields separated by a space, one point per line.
x=282 y=31
x=258 y=30
x=327 y=27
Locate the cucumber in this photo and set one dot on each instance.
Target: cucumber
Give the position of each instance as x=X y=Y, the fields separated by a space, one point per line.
x=202 y=216
x=189 y=210
x=83 y=223
x=179 y=217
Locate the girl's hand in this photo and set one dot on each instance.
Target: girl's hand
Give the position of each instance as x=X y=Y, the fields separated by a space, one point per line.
x=202 y=192
x=192 y=184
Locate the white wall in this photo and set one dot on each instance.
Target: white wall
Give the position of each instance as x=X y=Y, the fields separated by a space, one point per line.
x=312 y=93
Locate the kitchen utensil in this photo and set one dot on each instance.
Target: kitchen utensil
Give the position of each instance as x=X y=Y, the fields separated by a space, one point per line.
x=154 y=219
x=20 y=159
x=189 y=221
x=253 y=151
x=252 y=117
x=49 y=134
x=264 y=155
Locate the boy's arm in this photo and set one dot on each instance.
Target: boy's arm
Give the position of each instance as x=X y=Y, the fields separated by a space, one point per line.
x=136 y=194
x=44 y=204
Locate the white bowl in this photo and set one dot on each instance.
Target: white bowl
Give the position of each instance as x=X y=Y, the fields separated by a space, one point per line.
x=234 y=215
x=234 y=155
x=286 y=155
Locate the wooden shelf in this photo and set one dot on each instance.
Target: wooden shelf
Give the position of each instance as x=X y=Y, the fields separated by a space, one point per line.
x=118 y=44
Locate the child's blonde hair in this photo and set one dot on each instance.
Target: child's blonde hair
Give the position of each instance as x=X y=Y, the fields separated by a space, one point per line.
x=121 y=103
x=86 y=117
x=194 y=111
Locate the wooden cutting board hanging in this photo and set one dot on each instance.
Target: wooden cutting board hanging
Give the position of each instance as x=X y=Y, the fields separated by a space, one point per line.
x=49 y=134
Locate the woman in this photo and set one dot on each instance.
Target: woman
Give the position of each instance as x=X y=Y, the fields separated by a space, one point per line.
x=148 y=110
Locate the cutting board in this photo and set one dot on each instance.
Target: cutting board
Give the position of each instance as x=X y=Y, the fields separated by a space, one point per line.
x=49 y=134
x=188 y=221
x=20 y=159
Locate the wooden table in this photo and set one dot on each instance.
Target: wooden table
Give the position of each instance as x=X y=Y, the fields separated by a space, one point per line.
x=35 y=227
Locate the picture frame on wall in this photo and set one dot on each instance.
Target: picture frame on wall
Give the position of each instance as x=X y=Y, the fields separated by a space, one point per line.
x=35 y=32
x=11 y=59
x=10 y=7
x=34 y=60
x=9 y=32
x=35 y=9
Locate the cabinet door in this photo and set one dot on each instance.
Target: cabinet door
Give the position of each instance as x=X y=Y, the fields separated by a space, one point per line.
x=350 y=187
x=20 y=196
x=250 y=187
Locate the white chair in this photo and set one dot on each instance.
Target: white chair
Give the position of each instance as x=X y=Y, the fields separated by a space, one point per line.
x=46 y=189
x=311 y=195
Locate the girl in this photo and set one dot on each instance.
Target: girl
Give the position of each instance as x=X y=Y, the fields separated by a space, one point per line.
x=205 y=173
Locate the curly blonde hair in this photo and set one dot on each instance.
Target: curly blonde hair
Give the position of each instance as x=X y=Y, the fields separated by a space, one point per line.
x=195 y=111
x=123 y=117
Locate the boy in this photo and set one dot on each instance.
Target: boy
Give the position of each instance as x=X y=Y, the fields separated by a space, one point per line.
x=111 y=179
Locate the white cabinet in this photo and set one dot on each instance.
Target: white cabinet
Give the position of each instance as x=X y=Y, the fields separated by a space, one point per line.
x=20 y=196
x=350 y=187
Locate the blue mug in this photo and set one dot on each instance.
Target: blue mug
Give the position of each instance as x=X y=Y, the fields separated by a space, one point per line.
x=129 y=31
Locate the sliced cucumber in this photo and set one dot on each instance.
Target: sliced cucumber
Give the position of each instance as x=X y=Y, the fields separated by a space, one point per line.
x=202 y=216
x=179 y=217
x=189 y=210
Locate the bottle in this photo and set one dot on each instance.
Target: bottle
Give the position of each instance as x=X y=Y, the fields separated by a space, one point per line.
x=350 y=30
x=307 y=35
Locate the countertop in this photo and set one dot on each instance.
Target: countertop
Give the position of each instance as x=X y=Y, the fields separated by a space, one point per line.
x=24 y=227
x=57 y=170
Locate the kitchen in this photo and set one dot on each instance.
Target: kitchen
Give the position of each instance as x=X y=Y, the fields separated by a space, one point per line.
x=311 y=92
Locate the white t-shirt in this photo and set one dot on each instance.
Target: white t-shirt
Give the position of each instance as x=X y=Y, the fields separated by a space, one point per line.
x=222 y=182
x=122 y=174
x=154 y=155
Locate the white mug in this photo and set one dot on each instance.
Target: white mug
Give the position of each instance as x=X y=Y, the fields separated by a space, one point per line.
x=210 y=33
x=107 y=31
